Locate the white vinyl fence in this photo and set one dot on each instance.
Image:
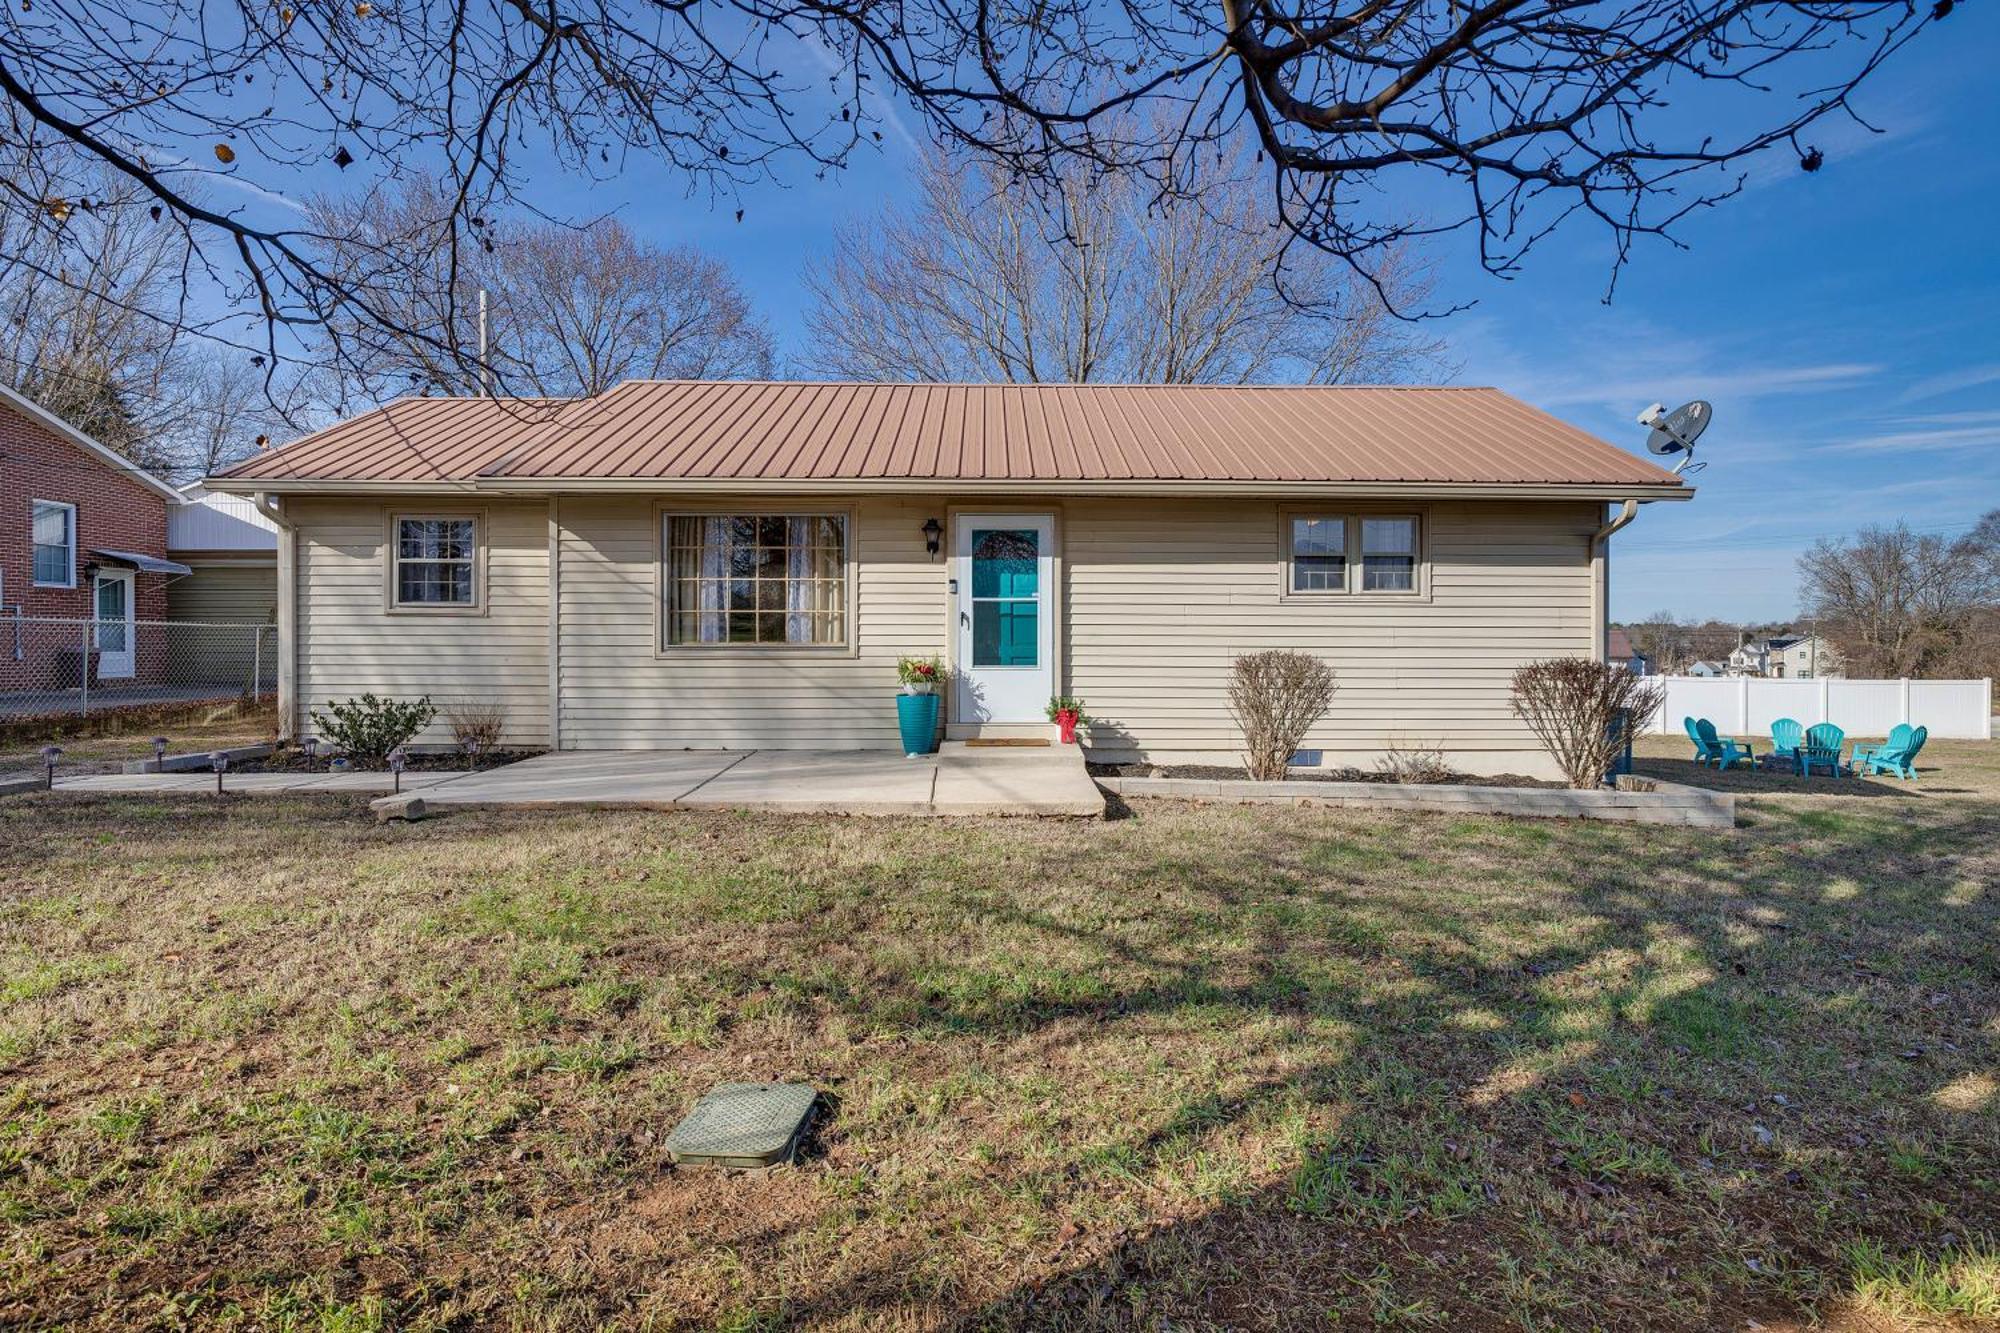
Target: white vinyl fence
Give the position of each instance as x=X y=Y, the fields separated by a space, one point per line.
x=1748 y=705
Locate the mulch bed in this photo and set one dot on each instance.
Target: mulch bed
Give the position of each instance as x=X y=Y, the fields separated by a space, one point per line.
x=1235 y=773
x=295 y=761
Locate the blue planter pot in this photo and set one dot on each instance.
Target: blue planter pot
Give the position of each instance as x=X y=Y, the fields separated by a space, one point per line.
x=916 y=716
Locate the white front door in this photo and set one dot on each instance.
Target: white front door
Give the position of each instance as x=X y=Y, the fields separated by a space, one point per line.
x=113 y=604
x=1004 y=661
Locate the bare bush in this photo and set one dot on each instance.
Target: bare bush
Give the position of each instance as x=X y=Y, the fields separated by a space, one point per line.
x=1423 y=765
x=1573 y=704
x=1277 y=697
x=475 y=724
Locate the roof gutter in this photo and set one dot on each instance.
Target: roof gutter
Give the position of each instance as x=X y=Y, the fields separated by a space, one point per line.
x=545 y=486
x=288 y=613
x=1625 y=515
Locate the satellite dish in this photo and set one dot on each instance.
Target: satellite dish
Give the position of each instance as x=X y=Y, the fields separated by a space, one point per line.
x=1676 y=431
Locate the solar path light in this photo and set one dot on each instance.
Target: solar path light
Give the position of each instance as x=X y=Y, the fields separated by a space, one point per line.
x=396 y=761
x=219 y=761
x=159 y=754
x=50 y=753
x=311 y=746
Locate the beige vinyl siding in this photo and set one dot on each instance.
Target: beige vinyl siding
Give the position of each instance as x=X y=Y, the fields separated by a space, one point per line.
x=206 y=647
x=1159 y=597
x=620 y=691
x=350 y=643
x=225 y=592
x=1163 y=597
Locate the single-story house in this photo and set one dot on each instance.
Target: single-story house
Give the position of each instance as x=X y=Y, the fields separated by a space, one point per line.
x=680 y=564
x=231 y=547
x=83 y=557
x=1620 y=652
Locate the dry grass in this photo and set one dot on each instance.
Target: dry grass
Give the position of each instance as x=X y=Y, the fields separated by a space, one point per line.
x=268 y=1065
x=103 y=745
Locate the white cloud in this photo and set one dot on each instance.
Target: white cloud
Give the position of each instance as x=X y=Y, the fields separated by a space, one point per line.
x=1921 y=439
x=1951 y=381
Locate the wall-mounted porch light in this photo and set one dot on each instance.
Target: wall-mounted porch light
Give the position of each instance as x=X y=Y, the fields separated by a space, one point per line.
x=933 y=534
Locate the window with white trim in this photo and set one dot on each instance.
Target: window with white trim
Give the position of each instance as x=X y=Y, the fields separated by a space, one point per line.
x=54 y=538
x=1389 y=554
x=1352 y=553
x=1319 y=554
x=756 y=580
x=436 y=559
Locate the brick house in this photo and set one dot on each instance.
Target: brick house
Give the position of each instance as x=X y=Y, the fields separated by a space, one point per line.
x=82 y=530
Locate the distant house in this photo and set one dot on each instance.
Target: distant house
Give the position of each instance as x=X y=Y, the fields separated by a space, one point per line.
x=1749 y=659
x=1706 y=668
x=1803 y=658
x=1619 y=652
x=83 y=538
x=1784 y=656
x=233 y=553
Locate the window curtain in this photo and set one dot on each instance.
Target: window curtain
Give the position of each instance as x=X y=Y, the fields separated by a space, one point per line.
x=799 y=583
x=713 y=621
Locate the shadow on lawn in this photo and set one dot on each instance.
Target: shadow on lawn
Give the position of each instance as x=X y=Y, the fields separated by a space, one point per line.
x=1586 y=1133
x=1777 y=782
x=1529 y=1073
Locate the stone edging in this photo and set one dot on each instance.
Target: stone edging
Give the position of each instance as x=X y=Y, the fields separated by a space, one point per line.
x=1663 y=803
x=197 y=762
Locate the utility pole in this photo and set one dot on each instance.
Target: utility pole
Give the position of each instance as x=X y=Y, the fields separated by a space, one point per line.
x=485 y=364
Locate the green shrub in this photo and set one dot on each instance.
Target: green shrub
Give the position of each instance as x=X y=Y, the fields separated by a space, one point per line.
x=368 y=728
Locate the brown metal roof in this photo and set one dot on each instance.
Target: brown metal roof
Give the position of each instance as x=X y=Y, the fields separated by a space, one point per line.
x=757 y=432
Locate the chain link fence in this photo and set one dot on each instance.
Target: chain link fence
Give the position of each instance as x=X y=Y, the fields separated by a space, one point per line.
x=57 y=672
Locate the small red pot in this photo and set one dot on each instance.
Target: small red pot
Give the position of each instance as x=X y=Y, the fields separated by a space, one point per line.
x=1066 y=725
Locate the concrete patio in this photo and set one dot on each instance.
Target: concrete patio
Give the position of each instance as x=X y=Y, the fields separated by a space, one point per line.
x=959 y=780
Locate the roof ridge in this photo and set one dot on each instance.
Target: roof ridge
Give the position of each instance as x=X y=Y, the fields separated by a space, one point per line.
x=1061 y=384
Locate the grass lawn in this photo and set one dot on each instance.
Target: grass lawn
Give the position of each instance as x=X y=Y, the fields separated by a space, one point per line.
x=102 y=745
x=268 y=1065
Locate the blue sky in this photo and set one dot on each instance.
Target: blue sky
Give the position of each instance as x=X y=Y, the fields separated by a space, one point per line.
x=1846 y=325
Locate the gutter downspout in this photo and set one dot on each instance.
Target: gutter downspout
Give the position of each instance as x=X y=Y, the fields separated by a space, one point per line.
x=288 y=613
x=1600 y=582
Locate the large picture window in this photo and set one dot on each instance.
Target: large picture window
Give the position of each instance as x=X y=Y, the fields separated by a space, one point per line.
x=54 y=535
x=436 y=561
x=776 y=579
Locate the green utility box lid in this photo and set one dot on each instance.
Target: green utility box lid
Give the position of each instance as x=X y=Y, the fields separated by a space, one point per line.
x=743 y=1125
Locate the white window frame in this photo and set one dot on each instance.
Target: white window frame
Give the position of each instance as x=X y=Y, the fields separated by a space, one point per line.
x=476 y=562
x=34 y=509
x=1353 y=519
x=663 y=575
x=1359 y=565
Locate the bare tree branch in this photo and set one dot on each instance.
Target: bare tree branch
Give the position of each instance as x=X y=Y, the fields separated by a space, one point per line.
x=1629 y=113
x=1100 y=279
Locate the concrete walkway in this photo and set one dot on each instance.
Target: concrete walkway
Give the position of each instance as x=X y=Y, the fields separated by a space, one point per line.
x=956 y=781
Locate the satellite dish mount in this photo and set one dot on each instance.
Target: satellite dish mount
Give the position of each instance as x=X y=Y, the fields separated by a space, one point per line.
x=1675 y=432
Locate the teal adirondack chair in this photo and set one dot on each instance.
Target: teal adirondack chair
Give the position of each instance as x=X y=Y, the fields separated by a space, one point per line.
x=1723 y=753
x=1787 y=736
x=1891 y=757
x=1899 y=740
x=1703 y=751
x=1821 y=750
